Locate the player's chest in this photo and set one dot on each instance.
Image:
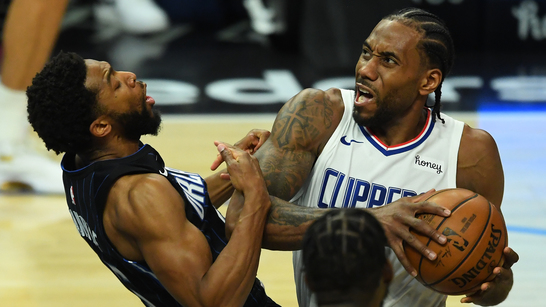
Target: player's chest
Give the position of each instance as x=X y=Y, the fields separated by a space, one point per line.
x=365 y=177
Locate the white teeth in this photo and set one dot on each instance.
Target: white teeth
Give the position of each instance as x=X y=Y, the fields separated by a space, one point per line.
x=360 y=98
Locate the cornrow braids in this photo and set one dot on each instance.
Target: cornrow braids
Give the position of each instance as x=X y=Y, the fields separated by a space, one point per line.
x=344 y=249
x=436 y=44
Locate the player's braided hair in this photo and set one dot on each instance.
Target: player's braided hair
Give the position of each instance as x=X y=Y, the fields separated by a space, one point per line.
x=436 y=43
x=344 y=249
x=60 y=107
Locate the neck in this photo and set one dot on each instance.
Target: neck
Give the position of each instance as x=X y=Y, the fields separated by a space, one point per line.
x=401 y=130
x=108 y=151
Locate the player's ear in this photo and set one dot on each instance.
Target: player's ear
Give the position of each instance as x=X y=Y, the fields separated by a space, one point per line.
x=101 y=126
x=430 y=82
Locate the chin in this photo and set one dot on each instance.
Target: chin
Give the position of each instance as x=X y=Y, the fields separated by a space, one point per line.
x=361 y=117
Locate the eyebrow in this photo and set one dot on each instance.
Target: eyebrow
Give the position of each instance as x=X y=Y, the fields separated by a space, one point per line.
x=383 y=53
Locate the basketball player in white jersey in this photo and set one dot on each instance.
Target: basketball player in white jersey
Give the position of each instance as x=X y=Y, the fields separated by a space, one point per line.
x=378 y=145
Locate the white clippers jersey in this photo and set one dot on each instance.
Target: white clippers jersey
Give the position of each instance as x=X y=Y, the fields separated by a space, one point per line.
x=356 y=169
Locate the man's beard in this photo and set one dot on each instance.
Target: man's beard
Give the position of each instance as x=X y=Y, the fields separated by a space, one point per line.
x=383 y=114
x=135 y=124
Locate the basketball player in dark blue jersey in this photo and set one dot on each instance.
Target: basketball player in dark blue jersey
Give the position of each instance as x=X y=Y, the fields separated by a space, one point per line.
x=156 y=228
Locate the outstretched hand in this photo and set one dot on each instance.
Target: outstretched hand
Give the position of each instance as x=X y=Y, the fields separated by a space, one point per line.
x=398 y=217
x=495 y=291
x=254 y=139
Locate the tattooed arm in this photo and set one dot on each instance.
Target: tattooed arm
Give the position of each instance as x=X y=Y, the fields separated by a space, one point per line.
x=299 y=133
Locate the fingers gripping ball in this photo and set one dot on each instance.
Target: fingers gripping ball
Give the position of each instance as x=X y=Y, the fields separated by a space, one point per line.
x=476 y=236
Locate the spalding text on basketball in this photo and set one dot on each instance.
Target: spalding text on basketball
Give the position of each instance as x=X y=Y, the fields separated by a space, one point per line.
x=485 y=260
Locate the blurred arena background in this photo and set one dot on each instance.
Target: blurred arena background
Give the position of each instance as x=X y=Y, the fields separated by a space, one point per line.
x=225 y=66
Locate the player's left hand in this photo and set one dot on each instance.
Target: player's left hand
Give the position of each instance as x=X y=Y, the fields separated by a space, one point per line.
x=494 y=292
x=254 y=139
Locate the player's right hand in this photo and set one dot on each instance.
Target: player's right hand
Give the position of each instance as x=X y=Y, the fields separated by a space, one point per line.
x=399 y=216
x=243 y=169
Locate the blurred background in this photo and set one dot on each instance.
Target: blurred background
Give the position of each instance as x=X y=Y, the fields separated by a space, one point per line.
x=223 y=62
x=233 y=56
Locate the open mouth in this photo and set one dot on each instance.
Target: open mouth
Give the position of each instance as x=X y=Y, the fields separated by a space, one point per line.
x=364 y=95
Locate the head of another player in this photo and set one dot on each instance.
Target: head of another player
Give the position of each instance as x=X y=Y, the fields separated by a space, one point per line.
x=74 y=103
x=405 y=58
x=344 y=259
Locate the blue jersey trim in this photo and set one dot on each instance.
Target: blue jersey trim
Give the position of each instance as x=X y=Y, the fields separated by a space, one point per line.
x=389 y=151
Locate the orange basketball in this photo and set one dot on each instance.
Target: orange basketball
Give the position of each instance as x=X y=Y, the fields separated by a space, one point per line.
x=476 y=237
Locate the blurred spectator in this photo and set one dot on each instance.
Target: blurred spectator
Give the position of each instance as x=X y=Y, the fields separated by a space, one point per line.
x=29 y=34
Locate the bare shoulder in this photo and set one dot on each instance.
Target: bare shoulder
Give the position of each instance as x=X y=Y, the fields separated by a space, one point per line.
x=308 y=119
x=311 y=98
x=139 y=185
x=475 y=143
x=143 y=199
x=302 y=128
x=479 y=166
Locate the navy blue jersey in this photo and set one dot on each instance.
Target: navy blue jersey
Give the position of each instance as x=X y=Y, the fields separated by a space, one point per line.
x=86 y=193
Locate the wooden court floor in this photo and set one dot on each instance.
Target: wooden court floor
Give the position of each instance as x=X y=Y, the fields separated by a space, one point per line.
x=44 y=262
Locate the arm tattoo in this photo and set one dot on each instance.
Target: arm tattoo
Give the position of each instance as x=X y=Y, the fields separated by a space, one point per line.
x=283 y=213
x=300 y=129
x=300 y=123
x=287 y=224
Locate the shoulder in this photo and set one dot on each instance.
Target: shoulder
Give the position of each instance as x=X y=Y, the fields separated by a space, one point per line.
x=140 y=184
x=143 y=197
x=141 y=208
x=309 y=118
x=476 y=142
x=316 y=98
x=479 y=166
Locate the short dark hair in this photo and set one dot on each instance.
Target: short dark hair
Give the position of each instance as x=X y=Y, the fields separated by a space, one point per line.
x=344 y=249
x=436 y=43
x=60 y=107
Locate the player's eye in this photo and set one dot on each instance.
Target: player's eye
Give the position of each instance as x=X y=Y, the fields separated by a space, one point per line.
x=367 y=53
x=389 y=60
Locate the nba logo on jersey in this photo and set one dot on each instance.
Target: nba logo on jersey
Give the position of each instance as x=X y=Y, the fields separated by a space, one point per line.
x=72 y=195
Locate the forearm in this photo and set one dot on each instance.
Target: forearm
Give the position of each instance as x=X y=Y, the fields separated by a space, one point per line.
x=287 y=223
x=233 y=273
x=220 y=190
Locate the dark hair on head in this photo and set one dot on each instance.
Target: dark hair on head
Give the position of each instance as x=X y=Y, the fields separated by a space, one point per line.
x=60 y=107
x=344 y=249
x=436 y=43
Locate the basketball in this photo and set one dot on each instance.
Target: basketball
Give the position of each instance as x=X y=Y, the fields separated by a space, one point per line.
x=476 y=237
